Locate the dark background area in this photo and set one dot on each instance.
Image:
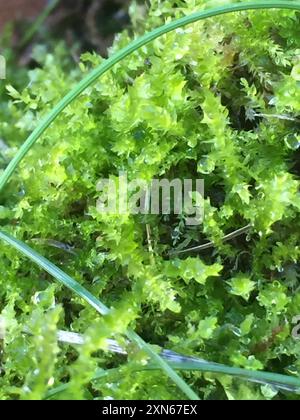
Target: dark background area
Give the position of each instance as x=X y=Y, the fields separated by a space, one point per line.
x=91 y=23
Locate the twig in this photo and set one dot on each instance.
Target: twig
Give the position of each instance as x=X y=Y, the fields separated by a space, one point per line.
x=56 y=244
x=69 y=338
x=209 y=245
x=278 y=116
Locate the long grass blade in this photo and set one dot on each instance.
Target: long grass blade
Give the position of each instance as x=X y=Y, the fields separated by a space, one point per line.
x=168 y=361
x=73 y=285
x=181 y=362
x=125 y=52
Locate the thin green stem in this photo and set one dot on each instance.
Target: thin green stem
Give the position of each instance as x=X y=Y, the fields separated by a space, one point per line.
x=120 y=55
x=63 y=387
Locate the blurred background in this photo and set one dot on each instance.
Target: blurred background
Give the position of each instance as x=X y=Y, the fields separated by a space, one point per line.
x=89 y=23
x=19 y=9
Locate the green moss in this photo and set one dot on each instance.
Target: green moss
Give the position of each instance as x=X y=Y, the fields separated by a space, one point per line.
x=219 y=100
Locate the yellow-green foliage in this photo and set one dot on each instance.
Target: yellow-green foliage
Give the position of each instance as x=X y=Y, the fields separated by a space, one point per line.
x=218 y=100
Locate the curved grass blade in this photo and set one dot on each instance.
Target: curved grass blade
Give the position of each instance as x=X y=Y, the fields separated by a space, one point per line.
x=73 y=285
x=120 y=55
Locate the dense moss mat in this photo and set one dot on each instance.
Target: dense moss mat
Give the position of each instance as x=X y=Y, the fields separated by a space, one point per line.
x=217 y=100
